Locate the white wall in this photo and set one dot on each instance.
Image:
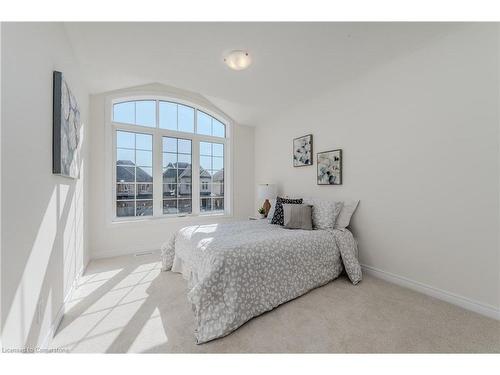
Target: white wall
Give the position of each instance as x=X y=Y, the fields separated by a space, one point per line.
x=420 y=140
x=108 y=238
x=43 y=215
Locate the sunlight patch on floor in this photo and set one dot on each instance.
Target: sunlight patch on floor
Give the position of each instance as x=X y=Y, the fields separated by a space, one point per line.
x=151 y=335
x=106 y=304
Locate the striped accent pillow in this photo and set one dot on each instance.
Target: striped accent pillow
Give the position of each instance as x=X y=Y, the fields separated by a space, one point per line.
x=278 y=218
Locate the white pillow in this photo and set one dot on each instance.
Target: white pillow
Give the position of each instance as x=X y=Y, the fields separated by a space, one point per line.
x=346 y=213
x=324 y=212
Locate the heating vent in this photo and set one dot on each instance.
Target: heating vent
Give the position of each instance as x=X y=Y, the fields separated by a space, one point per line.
x=143 y=253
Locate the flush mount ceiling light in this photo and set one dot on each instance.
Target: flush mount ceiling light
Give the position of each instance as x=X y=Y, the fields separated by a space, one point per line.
x=238 y=60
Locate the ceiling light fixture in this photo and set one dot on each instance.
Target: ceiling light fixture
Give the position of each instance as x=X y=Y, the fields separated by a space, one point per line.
x=238 y=60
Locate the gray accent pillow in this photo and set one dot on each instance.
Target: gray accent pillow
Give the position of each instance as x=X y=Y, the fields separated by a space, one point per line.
x=297 y=216
x=278 y=217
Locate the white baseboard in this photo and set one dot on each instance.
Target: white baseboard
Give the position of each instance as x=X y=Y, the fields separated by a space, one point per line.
x=118 y=253
x=45 y=344
x=455 y=299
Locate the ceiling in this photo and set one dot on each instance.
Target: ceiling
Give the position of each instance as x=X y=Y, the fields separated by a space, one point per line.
x=292 y=62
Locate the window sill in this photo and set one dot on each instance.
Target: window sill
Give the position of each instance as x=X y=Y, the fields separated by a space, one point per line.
x=170 y=218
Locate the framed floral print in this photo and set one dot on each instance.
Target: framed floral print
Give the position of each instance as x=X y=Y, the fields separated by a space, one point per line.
x=303 y=151
x=330 y=167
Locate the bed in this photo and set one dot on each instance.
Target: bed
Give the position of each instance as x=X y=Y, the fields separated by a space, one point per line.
x=239 y=270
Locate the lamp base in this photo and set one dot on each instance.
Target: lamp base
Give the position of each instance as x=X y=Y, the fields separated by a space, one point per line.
x=267 y=207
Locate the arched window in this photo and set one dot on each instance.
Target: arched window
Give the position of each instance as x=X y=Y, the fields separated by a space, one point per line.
x=157 y=146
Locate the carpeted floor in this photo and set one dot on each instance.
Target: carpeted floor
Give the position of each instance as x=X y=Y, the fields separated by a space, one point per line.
x=126 y=304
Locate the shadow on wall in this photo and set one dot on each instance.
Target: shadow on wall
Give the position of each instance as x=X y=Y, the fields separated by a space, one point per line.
x=50 y=267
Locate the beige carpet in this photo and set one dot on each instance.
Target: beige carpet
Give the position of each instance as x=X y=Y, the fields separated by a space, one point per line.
x=126 y=304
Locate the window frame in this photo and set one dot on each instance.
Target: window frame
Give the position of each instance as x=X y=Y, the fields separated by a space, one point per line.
x=177 y=181
x=135 y=183
x=158 y=133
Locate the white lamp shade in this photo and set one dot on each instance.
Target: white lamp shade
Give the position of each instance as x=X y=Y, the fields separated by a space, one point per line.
x=267 y=191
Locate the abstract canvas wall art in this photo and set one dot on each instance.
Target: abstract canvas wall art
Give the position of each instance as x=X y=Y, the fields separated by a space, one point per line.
x=303 y=151
x=330 y=167
x=65 y=130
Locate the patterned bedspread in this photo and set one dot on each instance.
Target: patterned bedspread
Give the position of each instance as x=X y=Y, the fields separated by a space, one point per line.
x=239 y=270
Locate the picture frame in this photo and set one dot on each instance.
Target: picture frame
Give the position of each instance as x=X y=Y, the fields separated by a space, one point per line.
x=66 y=125
x=303 y=151
x=329 y=167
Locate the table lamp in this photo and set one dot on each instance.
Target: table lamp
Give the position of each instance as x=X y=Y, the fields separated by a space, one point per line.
x=266 y=192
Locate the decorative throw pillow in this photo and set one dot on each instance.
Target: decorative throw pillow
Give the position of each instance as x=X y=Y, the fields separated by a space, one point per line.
x=297 y=216
x=278 y=211
x=346 y=213
x=324 y=212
